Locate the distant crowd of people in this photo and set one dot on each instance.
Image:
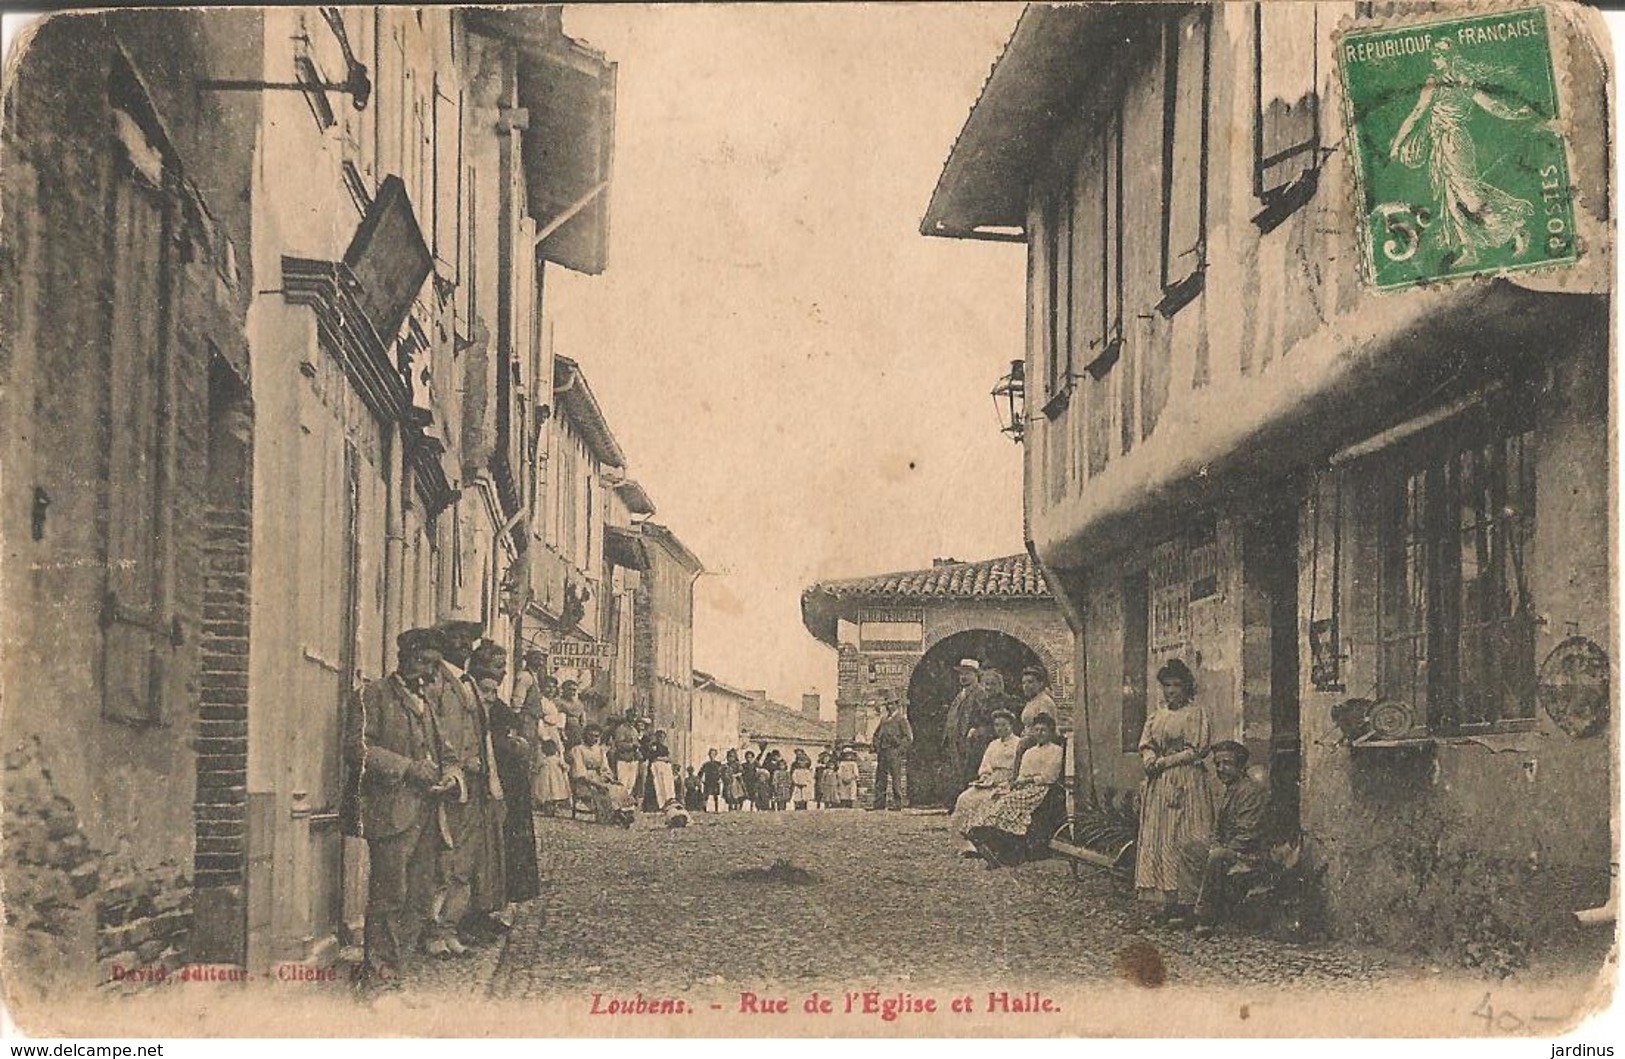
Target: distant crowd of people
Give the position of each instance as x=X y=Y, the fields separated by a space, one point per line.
x=611 y=765
x=766 y=782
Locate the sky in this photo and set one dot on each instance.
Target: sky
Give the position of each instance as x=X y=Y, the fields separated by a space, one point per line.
x=799 y=378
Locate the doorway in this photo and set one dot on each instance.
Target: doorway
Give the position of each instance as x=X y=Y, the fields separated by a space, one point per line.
x=1271 y=569
x=931 y=689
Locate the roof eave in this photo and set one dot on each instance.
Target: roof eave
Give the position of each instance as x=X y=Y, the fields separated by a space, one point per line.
x=577 y=400
x=637 y=498
x=1054 y=56
x=674 y=545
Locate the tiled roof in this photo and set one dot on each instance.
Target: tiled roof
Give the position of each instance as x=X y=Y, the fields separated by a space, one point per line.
x=1012 y=575
x=1011 y=578
x=775 y=723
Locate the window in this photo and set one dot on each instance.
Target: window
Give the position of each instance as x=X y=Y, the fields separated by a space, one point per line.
x=1170 y=596
x=1286 y=114
x=142 y=683
x=1184 y=158
x=1108 y=341
x=1456 y=622
x=1058 y=297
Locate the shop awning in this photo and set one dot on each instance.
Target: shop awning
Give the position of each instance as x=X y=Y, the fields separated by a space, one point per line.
x=625 y=548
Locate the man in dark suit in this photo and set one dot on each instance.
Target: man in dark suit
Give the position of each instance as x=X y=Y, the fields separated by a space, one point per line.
x=967 y=710
x=1238 y=838
x=893 y=739
x=475 y=890
x=392 y=742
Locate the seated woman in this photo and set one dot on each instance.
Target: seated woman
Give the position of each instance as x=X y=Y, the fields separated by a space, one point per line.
x=992 y=779
x=595 y=783
x=1032 y=807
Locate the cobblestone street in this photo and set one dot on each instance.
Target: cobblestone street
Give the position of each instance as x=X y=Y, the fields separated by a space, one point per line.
x=817 y=899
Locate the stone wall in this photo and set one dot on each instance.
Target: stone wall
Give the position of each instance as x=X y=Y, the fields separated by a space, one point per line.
x=99 y=824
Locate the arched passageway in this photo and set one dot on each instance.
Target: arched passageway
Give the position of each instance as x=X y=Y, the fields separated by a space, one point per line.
x=932 y=688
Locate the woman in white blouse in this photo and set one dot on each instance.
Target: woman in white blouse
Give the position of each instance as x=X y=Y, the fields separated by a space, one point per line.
x=998 y=768
x=1000 y=833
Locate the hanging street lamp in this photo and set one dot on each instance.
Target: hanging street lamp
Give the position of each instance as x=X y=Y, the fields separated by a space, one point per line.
x=1010 y=401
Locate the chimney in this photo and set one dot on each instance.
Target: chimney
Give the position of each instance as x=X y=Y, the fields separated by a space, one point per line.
x=812 y=707
x=944 y=562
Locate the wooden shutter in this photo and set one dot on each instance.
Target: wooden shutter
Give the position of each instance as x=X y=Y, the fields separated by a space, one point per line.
x=1185 y=146
x=1286 y=66
x=140 y=678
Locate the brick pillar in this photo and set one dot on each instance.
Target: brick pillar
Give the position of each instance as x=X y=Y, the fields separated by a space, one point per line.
x=220 y=812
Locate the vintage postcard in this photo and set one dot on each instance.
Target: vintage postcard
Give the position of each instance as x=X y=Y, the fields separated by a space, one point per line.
x=687 y=520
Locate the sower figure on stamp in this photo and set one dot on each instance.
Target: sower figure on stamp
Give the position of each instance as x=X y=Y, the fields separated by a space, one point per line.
x=1238 y=839
x=393 y=745
x=473 y=892
x=893 y=739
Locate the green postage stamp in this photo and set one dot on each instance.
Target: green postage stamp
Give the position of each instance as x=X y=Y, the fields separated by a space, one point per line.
x=1459 y=162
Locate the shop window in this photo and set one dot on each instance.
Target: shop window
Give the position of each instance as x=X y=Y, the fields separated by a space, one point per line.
x=1184 y=158
x=1286 y=108
x=1325 y=516
x=1136 y=658
x=1457 y=624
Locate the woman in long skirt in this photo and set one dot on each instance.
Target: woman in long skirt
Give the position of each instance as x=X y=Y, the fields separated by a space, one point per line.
x=998 y=768
x=550 y=791
x=1176 y=797
x=513 y=754
x=1006 y=827
x=733 y=782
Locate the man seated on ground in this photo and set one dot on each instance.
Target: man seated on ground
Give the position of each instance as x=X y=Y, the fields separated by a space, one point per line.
x=1206 y=865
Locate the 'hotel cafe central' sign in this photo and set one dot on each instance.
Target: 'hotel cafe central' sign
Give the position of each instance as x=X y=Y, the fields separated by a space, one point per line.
x=579 y=654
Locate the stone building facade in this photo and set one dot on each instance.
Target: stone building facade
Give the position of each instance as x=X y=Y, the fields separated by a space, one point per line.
x=663 y=637
x=327 y=299
x=125 y=372
x=899 y=636
x=1333 y=495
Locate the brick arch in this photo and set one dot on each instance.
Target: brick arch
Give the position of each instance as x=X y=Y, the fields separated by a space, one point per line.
x=1017 y=629
x=931 y=685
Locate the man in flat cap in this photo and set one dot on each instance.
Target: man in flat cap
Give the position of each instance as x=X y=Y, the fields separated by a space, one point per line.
x=967 y=708
x=472 y=886
x=393 y=745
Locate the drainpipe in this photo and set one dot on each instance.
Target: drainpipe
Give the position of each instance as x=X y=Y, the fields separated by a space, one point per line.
x=394 y=541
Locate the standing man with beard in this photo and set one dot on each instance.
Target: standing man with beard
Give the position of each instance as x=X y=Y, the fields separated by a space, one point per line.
x=474 y=890
x=392 y=745
x=968 y=706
